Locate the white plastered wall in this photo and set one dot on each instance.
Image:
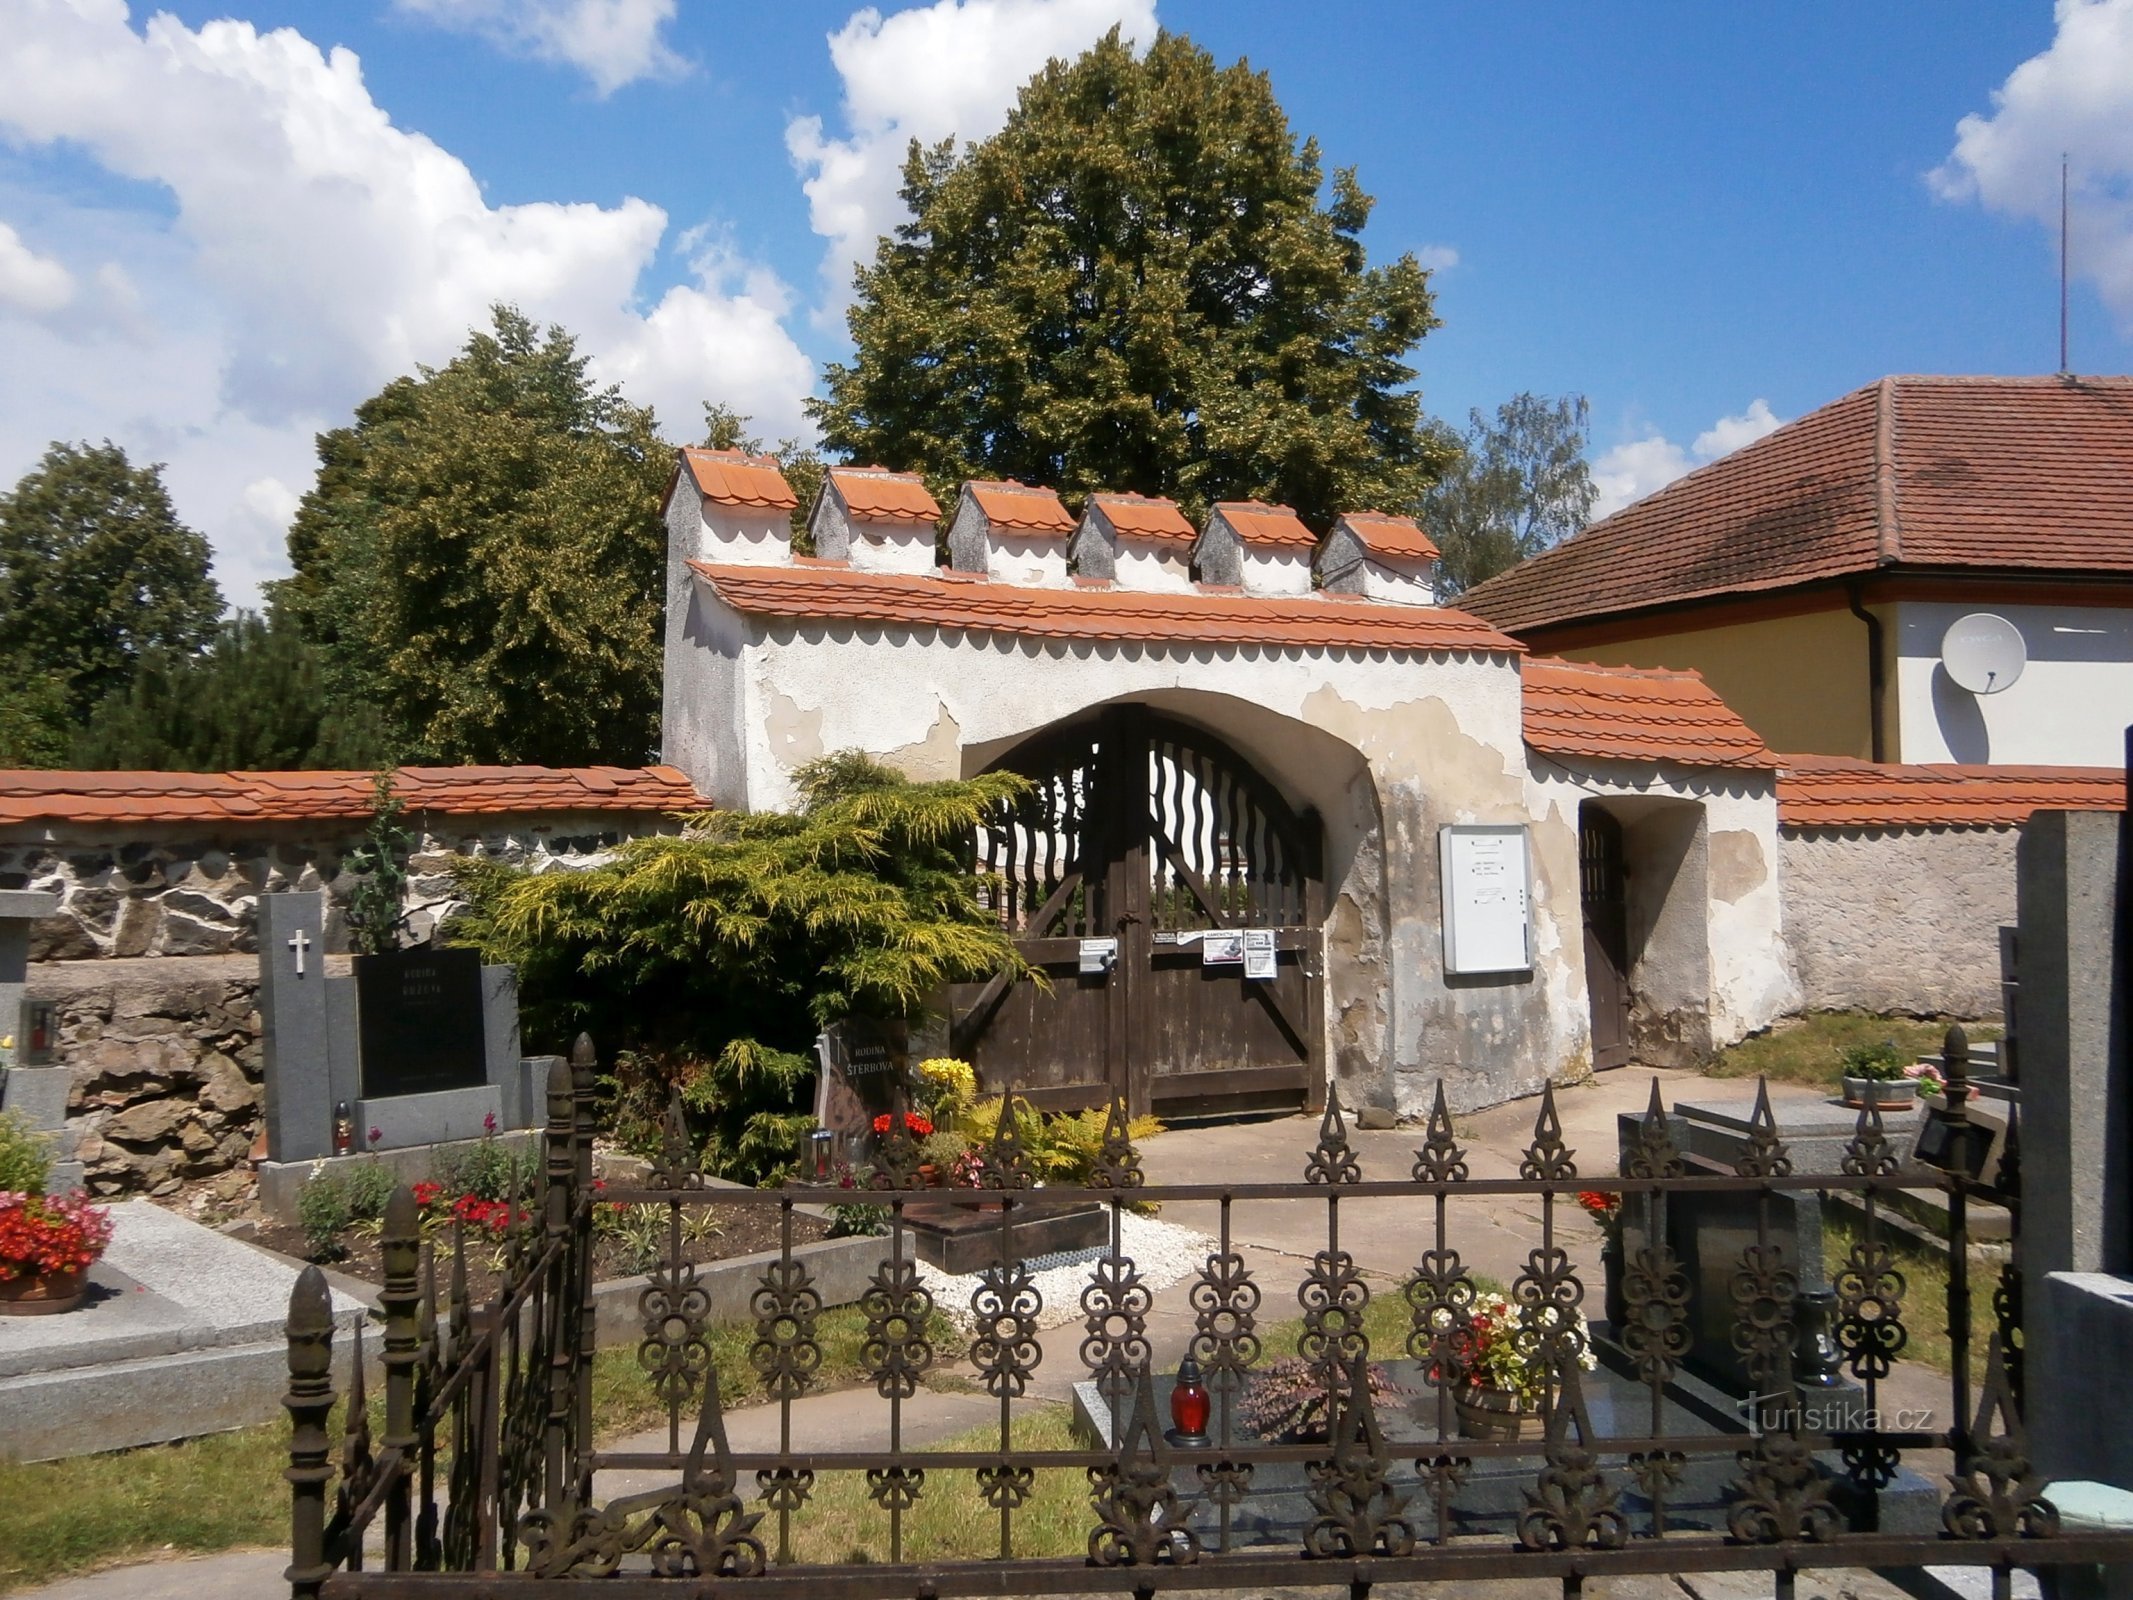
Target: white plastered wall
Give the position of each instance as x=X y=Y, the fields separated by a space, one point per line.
x=1159 y=565
x=1387 y=747
x=2070 y=707
x=1276 y=569
x=1714 y=831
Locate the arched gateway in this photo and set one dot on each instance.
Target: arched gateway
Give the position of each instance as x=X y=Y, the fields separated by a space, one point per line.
x=1143 y=835
x=1236 y=732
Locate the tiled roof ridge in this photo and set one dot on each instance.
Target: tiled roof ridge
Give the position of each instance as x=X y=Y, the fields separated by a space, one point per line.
x=1845 y=793
x=1888 y=526
x=972 y=603
x=1604 y=670
x=293 y=795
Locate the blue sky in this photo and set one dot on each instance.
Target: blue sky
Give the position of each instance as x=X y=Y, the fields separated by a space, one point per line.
x=223 y=225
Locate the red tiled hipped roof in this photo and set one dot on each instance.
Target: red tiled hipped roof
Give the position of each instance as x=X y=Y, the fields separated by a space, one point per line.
x=1401 y=538
x=734 y=478
x=1838 y=792
x=1259 y=523
x=1021 y=508
x=879 y=495
x=1144 y=516
x=1633 y=714
x=973 y=605
x=1923 y=473
x=136 y=797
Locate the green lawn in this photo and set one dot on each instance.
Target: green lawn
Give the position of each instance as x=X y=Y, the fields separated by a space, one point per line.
x=225 y=1491
x=1808 y=1049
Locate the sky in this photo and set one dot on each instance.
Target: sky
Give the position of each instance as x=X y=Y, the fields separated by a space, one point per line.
x=224 y=225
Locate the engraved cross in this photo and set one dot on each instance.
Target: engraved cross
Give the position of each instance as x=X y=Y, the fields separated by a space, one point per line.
x=299 y=941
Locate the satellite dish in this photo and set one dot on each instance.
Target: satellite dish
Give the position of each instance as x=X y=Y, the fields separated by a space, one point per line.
x=1983 y=653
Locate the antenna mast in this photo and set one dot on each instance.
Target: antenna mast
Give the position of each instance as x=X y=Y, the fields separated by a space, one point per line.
x=2063 y=368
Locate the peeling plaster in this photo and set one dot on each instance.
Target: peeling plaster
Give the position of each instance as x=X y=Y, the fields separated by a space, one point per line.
x=794 y=732
x=939 y=755
x=1738 y=865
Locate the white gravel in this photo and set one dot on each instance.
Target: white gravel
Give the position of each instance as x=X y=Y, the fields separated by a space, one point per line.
x=1165 y=1253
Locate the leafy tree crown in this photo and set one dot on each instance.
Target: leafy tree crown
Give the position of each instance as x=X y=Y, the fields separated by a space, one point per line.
x=1142 y=282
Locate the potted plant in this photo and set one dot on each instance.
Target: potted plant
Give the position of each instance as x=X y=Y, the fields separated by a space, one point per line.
x=1874 y=1075
x=47 y=1242
x=938 y=1153
x=1497 y=1390
x=1286 y=1401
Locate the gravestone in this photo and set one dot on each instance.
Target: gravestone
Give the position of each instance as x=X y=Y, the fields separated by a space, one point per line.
x=34 y=1092
x=865 y=1066
x=421 y=1046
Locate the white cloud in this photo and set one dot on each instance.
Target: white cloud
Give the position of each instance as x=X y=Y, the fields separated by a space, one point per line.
x=1629 y=472
x=1438 y=257
x=613 y=42
x=954 y=67
x=28 y=281
x=2075 y=98
x=317 y=250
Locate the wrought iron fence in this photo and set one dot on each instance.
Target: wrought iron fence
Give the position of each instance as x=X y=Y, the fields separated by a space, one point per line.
x=485 y=1478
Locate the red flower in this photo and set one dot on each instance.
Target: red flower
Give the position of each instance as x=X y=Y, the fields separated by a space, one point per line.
x=916 y=1124
x=41 y=1234
x=427 y=1192
x=1600 y=1204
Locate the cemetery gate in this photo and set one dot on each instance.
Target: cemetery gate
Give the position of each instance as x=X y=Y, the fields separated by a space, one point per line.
x=488 y=1480
x=1174 y=901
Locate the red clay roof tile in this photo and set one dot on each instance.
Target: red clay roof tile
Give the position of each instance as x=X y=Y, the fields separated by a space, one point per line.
x=879 y=495
x=2024 y=474
x=1018 y=506
x=1259 y=523
x=1332 y=622
x=1633 y=714
x=207 y=797
x=1398 y=537
x=1839 y=792
x=1144 y=516
x=734 y=478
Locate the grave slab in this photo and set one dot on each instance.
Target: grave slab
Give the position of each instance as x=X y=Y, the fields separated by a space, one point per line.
x=181 y=1335
x=441 y=1117
x=293 y=1032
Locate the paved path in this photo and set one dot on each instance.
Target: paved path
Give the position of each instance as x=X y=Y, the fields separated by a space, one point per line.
x=1493 y=1235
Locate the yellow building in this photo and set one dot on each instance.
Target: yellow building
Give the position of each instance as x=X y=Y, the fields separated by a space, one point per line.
x=1814 y=577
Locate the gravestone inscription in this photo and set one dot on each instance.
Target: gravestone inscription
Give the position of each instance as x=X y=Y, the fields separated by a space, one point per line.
x=420 y=1014
x=864 y=1063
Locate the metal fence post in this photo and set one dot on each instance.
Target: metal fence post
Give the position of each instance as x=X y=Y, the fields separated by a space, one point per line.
x=309 y=1401
x=563 y=1378
x=400 y=1244
x=583 y=1092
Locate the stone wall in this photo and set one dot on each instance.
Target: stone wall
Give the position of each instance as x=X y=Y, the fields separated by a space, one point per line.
x=1898 y=920
x=165 y=1058
x=149 y=891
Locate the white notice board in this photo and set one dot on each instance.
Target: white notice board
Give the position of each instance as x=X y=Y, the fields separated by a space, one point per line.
x=1483 y=867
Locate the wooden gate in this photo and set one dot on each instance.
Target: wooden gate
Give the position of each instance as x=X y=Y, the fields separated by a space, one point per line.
x=1604 y=898
x=1151 y=832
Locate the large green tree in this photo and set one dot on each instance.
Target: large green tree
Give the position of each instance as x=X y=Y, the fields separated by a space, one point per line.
x=96 y=574
x=254 y=698
x=482 y=558
x=1142 y=282
x=1518 y=484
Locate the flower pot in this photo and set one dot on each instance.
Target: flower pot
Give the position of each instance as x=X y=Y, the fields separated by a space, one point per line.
x=28 y=1296
x=1895 y=1094
x=929 y=1174
x=1486 y=1413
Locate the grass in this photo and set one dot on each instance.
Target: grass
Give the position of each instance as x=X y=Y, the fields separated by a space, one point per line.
x=1925 y=1295
x=1808 y=1049
x=225 y=1491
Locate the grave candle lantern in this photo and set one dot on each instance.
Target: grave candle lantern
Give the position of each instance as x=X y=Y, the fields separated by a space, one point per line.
x=344 y=1129
x=824 y=1141
x=1190 y=1405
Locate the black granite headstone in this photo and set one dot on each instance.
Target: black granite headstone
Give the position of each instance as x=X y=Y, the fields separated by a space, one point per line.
x=863 y=1066
x=419 y=1015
